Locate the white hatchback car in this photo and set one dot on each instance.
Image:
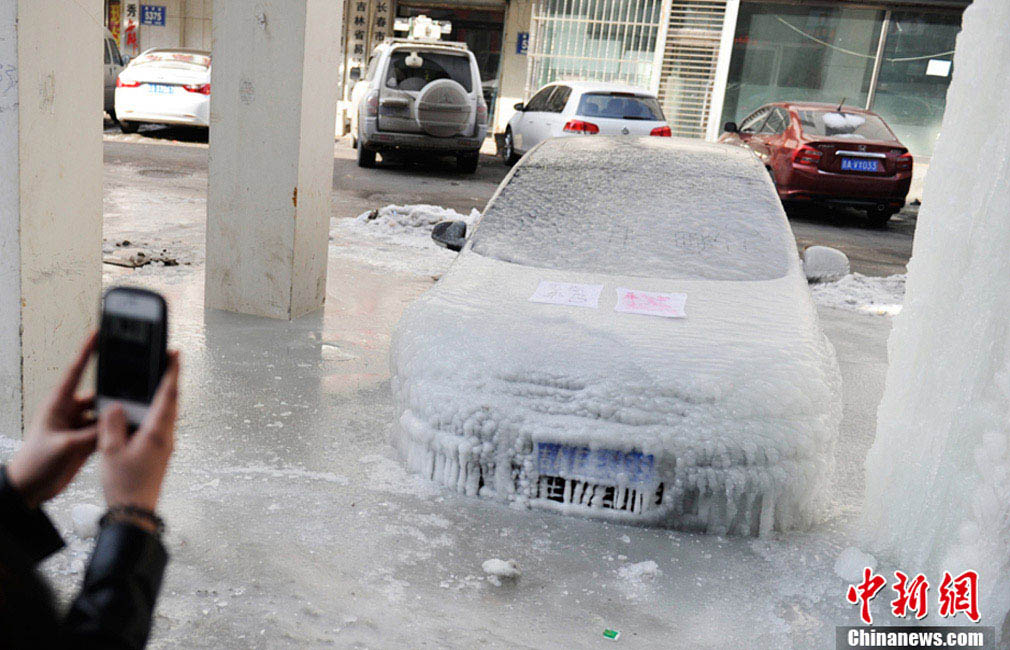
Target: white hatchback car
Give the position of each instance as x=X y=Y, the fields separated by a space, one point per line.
x=165 y=86
x=627 y=334
x=582 y=108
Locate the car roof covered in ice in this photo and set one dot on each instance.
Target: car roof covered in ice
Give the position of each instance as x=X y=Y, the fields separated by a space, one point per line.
x=646 y=207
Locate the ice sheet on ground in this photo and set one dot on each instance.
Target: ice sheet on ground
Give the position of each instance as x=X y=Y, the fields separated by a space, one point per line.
x=737 y=405
x=397 y=237
x=938 y=474
x=862 y=293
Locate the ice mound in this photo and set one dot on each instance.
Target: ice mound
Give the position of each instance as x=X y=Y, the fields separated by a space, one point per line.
x=861 y=293
x=640 y=572
x=724 y=421
x=498 y=570
x=938 y=474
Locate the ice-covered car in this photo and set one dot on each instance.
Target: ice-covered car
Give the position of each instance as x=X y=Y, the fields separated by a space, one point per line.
x=550 y=366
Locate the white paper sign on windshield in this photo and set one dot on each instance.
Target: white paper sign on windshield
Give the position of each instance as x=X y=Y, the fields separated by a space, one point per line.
x=567 y=293
x=633 y=301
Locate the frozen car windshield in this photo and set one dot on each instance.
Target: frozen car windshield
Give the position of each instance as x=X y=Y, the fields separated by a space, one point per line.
x=435 y=65
x=632 y=206
x=174 y=60
x=621 y=106
x=857 y=126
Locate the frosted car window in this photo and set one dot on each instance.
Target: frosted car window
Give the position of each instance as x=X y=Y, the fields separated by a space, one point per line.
x=858 y=126
x=434 y=66
x=625 y=206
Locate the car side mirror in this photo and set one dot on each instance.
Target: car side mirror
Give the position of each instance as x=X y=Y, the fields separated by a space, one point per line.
x=520 y=107
x=125 y=59
x=731 y=127
x=823 y=264
x=450 y=234
x=354 y=74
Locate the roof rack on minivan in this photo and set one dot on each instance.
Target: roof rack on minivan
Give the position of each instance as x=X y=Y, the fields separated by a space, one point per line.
x=424 y=41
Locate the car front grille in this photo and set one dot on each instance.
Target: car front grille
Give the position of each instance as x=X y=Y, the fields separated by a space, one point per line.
x=597 y=496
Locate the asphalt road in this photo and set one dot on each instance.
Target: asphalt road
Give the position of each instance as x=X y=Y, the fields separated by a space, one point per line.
x=164 y=156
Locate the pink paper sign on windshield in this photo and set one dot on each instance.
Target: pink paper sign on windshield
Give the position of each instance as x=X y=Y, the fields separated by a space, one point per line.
x=632 y=301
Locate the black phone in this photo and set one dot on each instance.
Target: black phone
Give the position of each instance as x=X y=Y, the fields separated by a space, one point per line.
x=132 y=349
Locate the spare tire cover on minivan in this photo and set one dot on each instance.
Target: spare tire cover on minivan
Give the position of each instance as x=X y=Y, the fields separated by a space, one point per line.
x=442 y=108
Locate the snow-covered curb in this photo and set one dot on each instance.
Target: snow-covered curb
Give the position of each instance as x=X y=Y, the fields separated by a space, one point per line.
x=861 y=293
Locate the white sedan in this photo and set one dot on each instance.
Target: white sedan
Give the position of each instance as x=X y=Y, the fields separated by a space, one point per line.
x=627 y=334
x=164 y=86
x=582 y=108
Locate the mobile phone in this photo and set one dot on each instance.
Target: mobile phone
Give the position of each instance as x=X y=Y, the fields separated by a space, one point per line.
x=132 y=350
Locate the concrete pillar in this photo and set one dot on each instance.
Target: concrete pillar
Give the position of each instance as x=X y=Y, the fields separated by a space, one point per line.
x=273 y=104
x=50 y=194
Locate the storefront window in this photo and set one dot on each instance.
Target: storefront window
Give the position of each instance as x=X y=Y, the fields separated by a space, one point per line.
x=792 y=53
x=915 y=73
x=600 y=41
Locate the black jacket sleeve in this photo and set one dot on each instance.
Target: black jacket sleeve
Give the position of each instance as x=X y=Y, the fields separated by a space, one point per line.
x=29 y=529
x=116 y=602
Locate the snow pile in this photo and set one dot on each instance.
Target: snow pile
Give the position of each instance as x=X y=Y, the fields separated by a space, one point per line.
x=409 y=222
x=723 y=421
x=824 y=264
x=843 y=122
x=938 y=474
x=861 y=293
x=397 y=237
x=851 y=562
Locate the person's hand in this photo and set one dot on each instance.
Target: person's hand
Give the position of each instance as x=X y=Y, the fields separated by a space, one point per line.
x=134 y=465
x=59 y=440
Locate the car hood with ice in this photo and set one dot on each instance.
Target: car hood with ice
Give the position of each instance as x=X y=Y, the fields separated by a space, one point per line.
x=723 y=421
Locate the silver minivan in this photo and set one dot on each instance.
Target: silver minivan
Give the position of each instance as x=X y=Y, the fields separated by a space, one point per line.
x=114 y=64
x=420 y=96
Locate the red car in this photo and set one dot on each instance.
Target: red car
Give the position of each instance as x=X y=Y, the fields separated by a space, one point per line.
x=830 y=154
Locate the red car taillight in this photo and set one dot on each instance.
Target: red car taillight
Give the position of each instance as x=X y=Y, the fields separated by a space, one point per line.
x=808 y=156
x=578 y=126
x=372 y=104
x=203 y=89
x=905 y=162
x=481 y=113
x=126 y=84
x=662 y=131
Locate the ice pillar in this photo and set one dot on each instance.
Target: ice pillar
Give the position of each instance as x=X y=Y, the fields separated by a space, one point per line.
x=50 y=194
x=273 y=104
x=938 y=474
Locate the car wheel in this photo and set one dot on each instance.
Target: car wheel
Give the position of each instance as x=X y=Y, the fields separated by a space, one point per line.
x=366 y=156
x=129 y=127
x=508 y=150
x=467 y=162
x=354 y=142
x=879 y=218
x=112 y=114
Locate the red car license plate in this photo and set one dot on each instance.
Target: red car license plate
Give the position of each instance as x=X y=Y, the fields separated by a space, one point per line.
x=860 y=165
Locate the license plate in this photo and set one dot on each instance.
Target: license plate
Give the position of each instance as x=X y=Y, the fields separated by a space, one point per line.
x=160 y=89
x=860 y=165
x=606 y=466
